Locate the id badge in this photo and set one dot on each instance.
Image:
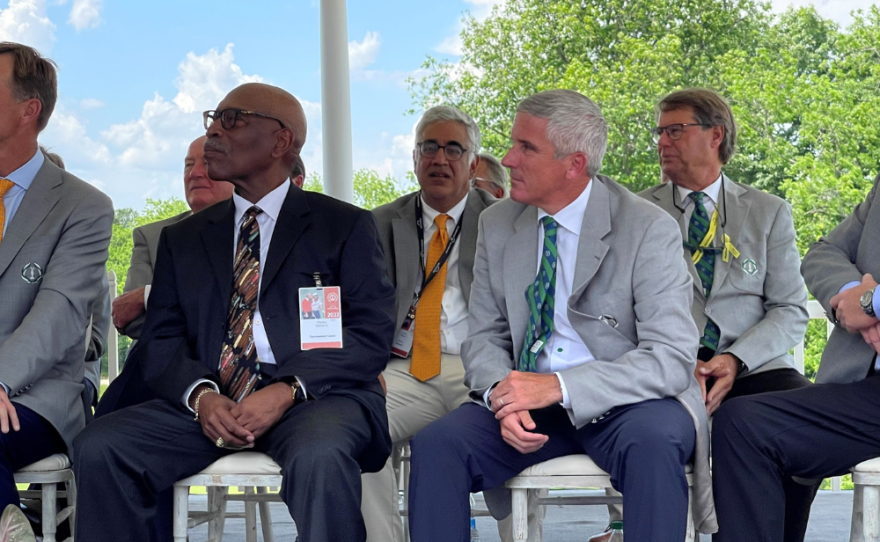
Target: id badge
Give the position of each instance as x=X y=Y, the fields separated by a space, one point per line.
x=320 y=317
x=403 y=341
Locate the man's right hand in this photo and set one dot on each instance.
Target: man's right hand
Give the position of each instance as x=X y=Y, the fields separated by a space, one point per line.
x=127 y=307
x=8 y=415
x=516 y=430
x=218 y=422
x=871 y=335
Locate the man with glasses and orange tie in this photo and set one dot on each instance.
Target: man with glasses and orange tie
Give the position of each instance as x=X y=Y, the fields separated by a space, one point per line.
x=227 y=352
x=429 y=238
x=739 y=245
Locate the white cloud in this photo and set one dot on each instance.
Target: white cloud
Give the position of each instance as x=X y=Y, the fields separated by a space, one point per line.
x=837 y=10
x=25 y=21
x=362 y=54
x=91 y=103
x=66 y=135
x=85 y=14
x=451 y=45
x=392 y=155
x=205 y=79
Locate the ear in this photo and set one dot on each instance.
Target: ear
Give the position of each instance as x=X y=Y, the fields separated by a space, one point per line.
x=717 y=136
x=284 y=140
x=472 y=170
x=577 y=165
x=32 y=110
x=298 y=181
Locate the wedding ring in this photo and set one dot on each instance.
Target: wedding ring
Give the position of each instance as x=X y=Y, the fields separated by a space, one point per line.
x=220 y=442
x=501 y=401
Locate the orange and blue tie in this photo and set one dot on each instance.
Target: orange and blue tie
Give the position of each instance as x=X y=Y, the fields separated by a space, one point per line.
x=697 y=230
x=539 y=296
x=239 y=365
x=5 y=186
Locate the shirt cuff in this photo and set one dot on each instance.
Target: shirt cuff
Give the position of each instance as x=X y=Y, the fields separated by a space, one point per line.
x=848 y=285
x=303 y=386
x=488 y=394
x=566 y=400
x=192 y=388
x=146 y=295
x=5 y=388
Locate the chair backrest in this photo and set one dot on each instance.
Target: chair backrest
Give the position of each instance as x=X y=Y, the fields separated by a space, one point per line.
x=816 y=313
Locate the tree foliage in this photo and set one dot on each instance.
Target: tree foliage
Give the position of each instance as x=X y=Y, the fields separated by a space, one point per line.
x=370 y=189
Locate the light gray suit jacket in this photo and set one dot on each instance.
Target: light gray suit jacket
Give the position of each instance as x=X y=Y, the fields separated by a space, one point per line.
x=844 y=255
x=400 y=241
x=761 y=315
x=96 y=335
x=143 y=260
x=63 y=225
x=629 y=266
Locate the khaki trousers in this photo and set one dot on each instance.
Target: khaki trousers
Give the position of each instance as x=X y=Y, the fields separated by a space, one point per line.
x=412 y=405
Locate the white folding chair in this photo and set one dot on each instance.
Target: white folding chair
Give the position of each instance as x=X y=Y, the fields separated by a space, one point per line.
x=48 y=472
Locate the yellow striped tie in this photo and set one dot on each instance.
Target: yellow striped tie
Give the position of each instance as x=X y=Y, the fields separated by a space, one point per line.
x=426 y=340
x=5 y=185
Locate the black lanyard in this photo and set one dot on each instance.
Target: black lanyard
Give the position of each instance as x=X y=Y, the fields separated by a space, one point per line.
x=443 y=257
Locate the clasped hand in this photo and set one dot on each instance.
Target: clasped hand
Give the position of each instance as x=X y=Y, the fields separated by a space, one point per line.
x=723 y=370
x=850 y=315
x=240 y=424
x=514 y=397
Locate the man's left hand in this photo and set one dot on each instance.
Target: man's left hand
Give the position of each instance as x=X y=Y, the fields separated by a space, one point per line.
x=723 y=369
x=525 y=391
x=848 y=307
x=127 y=307
x=259 y=411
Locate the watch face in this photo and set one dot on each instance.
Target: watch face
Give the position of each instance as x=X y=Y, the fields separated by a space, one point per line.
x=867 y=297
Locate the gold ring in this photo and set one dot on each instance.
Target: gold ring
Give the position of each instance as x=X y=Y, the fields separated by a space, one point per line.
x=220 y=442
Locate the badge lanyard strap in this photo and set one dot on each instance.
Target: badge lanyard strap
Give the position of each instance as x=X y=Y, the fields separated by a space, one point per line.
x=728 y=250
x=443 y=257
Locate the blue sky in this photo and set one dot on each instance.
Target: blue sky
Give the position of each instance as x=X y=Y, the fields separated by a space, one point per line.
x=135 y=75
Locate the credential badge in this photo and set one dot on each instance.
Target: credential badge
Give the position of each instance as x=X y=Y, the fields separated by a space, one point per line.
x=750 y=267
x=32 y=273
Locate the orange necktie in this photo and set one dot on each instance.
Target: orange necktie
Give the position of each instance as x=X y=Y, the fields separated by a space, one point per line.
x=5 y=185
x=426 y=339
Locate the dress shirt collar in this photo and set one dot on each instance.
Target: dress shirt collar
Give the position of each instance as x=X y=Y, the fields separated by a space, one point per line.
x=270 y=204
x=24 y=176
x=429 y=213
x=571 y=217
x=711 y=191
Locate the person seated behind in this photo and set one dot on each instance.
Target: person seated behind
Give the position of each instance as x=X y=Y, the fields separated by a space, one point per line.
x=55 y=232
x=491 y=176
x=596 y=354
x=222 y=343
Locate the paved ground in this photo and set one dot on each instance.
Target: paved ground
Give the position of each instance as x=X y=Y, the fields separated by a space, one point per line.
x=829 y=522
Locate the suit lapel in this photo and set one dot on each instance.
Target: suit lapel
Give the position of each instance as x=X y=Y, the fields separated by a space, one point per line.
x=591 y=249
x=735 y=214
x=218 y=237
x=291 y=224
x=520 y=269
x=664 y=197
x=406 y=252
x=468 y=242
x=36 y=205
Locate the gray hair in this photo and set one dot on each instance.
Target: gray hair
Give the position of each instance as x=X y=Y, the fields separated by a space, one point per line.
x=576 y=124
x=497 y=172
x=441 y=113
x=53 y=157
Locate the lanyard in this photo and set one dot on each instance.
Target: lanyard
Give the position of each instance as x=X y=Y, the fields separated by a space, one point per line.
x=704 y=247
x=443 y=257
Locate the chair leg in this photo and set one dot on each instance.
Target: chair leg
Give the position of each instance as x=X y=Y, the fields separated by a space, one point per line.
x=250 y=517
x=181 y=513
x=871 y=513
x=404 y=470
x=856 y=532
x=217 y=509
x=691 y=532
x=520 y=513
x=266 y=516
x=50 y=518
x=71 y=503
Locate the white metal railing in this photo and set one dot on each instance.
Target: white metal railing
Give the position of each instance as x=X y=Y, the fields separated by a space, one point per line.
x=113 y=335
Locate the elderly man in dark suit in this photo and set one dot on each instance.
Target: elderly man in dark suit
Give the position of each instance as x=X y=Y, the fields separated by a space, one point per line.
x=222 y=342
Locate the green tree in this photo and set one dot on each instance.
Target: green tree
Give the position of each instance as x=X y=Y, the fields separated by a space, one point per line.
x=370 y=190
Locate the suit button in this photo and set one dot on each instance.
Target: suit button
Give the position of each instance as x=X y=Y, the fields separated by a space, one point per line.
x=708 y=310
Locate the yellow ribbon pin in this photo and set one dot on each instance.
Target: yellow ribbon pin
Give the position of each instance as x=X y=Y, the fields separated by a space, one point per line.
x=707 y=241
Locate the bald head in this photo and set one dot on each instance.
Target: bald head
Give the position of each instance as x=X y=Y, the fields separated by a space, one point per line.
x=274 y=102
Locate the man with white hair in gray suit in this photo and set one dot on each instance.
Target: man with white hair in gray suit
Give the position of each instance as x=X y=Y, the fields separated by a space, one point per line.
x=581 y=341
x=491 y=176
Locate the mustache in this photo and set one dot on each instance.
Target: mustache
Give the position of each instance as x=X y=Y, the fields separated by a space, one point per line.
x=216 y=146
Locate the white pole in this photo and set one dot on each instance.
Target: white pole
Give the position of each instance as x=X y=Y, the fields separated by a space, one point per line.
x=112 y=339
x=336 y=100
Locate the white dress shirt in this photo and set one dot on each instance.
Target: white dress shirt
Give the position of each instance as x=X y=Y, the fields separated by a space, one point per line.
x=454 y=309
x=271 y=205
x=22 y=178
x=709 y=201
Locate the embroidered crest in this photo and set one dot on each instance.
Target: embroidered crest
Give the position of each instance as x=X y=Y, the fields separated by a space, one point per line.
x=749 y=266
x=32 y=273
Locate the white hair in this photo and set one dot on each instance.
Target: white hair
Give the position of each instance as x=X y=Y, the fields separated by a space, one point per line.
x=497 y=173
x=576 y=124
x=441 y=113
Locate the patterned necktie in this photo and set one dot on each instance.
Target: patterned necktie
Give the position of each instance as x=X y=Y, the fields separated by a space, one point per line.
x=697 y=230
x=5 y=185
x=426 y=340
x=239 y=368
x=539 y=296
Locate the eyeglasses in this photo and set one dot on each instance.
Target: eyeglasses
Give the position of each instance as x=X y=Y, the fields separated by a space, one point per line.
x=674 y=131
x=453 y=151
x=228 y=117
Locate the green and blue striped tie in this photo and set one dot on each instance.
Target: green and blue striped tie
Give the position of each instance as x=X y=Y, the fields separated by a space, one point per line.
x=697 y=230
x=539 y=296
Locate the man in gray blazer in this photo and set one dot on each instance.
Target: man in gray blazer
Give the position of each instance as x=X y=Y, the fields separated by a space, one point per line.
x=425 y=376
x=595 y=354
x=201 y=191
x=822 y=430
x=750 y=302
x=54 y=234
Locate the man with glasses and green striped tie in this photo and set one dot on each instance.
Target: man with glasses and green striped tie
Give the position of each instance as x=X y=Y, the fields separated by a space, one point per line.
x=739 y=245
x=580 y=341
